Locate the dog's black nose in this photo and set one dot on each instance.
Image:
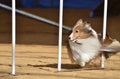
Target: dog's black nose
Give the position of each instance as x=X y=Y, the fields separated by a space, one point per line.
x=69 y=38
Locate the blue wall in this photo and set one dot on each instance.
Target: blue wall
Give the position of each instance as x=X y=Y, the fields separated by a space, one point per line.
x=83 y=4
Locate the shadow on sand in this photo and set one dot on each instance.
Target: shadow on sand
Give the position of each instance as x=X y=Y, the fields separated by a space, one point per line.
x=72 y=67
x=64 y=66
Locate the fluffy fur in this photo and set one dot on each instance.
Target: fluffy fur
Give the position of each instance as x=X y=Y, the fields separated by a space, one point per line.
x=85 y=45
x=86 y=51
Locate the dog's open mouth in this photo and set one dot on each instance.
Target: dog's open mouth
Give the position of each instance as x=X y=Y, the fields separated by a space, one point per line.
x=75 y=41
x=78 y=43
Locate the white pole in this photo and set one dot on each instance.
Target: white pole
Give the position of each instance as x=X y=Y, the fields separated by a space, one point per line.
x=35 y=17
x=104 y=28
x=13 y=35
x=60 y=35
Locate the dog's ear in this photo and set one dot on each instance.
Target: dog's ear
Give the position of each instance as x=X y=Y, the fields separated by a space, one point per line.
x=87 y=25
x=79 y=22
x=87 y=28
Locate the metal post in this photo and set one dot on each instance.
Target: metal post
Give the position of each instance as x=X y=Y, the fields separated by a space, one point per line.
x=104 y=28
x=34 y=17
x=60 y=35
x=13 y=35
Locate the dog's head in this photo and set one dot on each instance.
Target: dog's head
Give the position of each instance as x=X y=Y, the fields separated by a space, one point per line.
x=82 y=30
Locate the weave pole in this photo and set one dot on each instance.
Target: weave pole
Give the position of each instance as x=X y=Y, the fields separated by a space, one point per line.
x=104 y=29
x=60 y=35
x=35 y=17
x=13 y=35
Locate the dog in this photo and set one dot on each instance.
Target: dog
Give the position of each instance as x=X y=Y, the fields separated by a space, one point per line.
x=86 y=46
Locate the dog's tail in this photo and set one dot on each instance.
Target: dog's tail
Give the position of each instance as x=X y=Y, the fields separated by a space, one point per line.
x=111 y=49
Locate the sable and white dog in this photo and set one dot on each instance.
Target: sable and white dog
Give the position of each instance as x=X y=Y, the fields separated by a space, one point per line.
x=85 y=45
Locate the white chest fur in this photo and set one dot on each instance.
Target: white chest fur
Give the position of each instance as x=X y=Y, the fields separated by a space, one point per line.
x=85 y=51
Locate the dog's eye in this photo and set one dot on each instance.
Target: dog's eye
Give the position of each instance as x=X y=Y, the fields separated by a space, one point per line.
x=88 y=31
x=76 y=31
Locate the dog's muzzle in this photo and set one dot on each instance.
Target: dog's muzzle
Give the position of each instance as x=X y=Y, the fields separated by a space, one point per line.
x=78 y=43
x=75 y=41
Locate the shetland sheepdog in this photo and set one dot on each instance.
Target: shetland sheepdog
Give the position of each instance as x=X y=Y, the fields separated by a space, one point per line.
x=86 y=46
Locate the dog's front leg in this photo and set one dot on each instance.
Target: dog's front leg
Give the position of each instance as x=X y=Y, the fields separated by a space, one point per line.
x=82 y=64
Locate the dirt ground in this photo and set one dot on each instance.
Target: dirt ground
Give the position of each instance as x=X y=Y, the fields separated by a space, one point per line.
x=40 y=62
x=37 y=51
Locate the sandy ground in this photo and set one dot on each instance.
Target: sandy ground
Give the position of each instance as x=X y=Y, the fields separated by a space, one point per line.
x=40 y=62
x=36 y=50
